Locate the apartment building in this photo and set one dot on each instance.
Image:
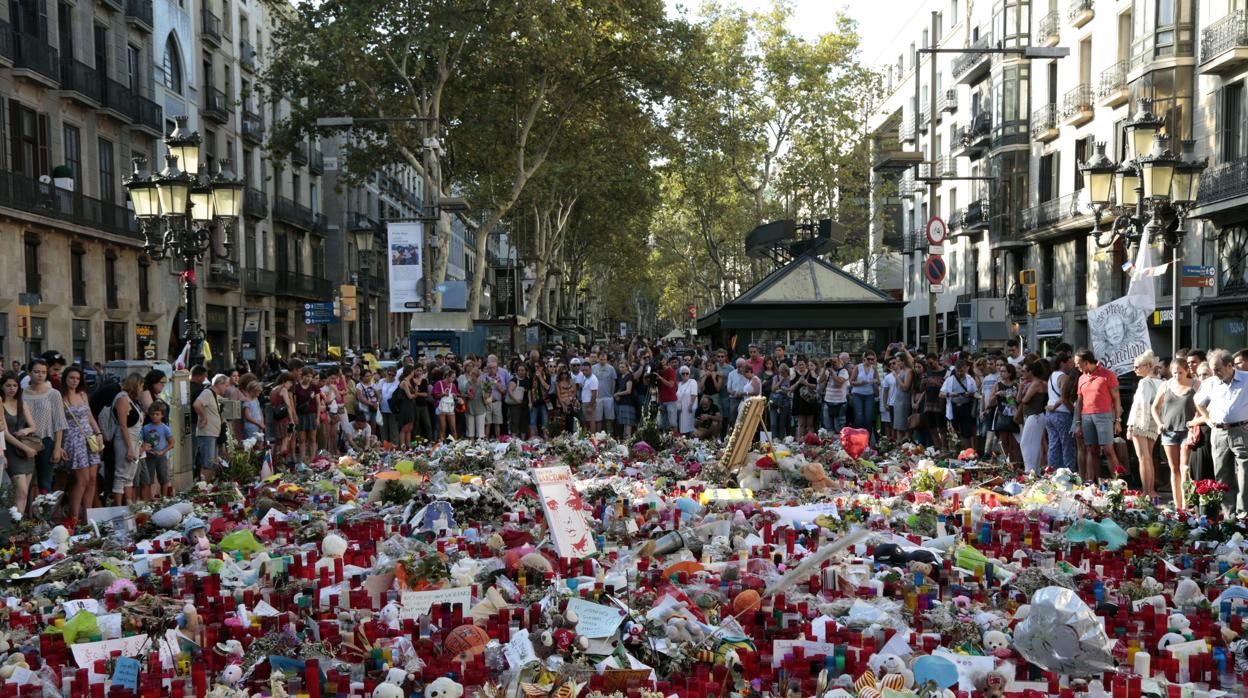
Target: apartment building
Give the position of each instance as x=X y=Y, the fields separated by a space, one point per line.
x=1010 y=134
x=77 y=94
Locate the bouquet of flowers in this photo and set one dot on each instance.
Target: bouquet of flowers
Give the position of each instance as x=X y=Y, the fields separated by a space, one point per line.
x=1207 y=493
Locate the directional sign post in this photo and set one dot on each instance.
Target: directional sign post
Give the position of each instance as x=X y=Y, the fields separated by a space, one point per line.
x=1197 y=276
x=934 y=269
x=319 y=313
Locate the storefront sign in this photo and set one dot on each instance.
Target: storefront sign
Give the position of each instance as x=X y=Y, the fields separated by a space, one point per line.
x=1165 y=318
x=1049 y=326
x=145 y=340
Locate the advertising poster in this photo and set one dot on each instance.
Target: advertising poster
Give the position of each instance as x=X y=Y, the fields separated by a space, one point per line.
x=404 y=247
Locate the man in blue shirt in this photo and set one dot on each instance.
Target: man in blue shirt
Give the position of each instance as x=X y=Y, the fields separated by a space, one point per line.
x=1223 y=401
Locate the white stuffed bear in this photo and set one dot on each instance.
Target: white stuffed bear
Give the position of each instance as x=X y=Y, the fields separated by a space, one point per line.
x=892 y=664
x=443 y=688
x=332 y=548
x=392 y=687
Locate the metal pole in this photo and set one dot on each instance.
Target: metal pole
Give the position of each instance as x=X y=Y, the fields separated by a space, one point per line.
x=1175 y=271
x=366 y=324
x=192 y=331
x=931 y=169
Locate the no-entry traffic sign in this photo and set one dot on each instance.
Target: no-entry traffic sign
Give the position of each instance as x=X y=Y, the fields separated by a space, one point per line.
x=934 y=269
x=936 y=230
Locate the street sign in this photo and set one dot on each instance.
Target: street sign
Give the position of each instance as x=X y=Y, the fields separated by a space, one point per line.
x=29 y=299
x=936 y=230
x=937 y=288
x=1197 y=276
x=318 y=313
x=934 y=269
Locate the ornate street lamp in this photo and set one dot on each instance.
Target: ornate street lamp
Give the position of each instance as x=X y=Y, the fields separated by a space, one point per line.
x=365 y=238
x=177 y=210
x=1154 y=190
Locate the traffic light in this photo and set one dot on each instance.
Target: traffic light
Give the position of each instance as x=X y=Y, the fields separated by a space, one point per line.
x=349 y=303
x=1027 y=278
x=693 y=312
x=23 y=321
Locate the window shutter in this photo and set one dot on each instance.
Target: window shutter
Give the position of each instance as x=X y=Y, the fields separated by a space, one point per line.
x=45 y=146
x=1219 y=122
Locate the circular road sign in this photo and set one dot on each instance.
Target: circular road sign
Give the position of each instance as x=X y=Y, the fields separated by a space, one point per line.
x=936 y=230
x=934 y=269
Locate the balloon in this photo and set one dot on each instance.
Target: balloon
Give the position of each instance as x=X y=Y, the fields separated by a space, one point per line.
x=855 y=441
x=938 y=669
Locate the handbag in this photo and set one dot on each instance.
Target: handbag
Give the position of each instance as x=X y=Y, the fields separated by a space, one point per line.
x=32 y=442
x=282 y=411
x=914 y=421
x=515 y=396
x=1004 y=422
x=94 y=443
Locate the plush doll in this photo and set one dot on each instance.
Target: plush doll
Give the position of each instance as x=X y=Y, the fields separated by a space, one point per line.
x=333 y=547
x=816 y=476
x=892 y=664
x=997 y=644
x=196 y=533
x=442 y=688
x=993 y=684
x=1180 y=630
x=392 y=687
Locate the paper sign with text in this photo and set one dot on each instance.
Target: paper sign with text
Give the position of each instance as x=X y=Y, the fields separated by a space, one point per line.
x=811 y=649
x=85 y=653
x=418 y=603
x=970 y=669
x=126 y=673
x=595 y=620
x=565 y=511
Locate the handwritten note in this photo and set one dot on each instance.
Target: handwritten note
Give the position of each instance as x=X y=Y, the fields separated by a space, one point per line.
x=126 y=673
x=85 y=653
x=970 y=669
x=811 y=649
x=418 y=603
x=519 y=650
x=73 y=606
x=565 y=511
x=595 y=620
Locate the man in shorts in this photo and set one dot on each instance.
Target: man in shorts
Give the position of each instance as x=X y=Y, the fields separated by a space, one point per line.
x=208 y=426
x=1098 y=414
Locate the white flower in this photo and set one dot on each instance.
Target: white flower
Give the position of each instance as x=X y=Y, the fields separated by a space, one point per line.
x=15 y=514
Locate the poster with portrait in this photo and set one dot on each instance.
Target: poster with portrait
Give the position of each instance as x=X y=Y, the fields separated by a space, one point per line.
x=1119 y=329
x=404 y=247
x=565 y=511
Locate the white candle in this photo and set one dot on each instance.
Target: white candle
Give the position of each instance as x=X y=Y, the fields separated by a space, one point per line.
x=1143 y=664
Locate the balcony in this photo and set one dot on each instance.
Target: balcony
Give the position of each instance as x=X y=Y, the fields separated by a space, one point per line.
x=357 y=221
x=955 y=221
x=216 y=105
x=139 y=15
x=949 y=101
x=976 y=216
x=947 y=166
x=255 y=203
x=115 y=5
x=320 y=223
x=211 y=29
x=35 y=60
x=299 y=155
x=1228 y=180
x=1044 y=123
x=973 y=140
x=1224 y=44
x=150 y=117
x=259 y=282
x=1080 y=12
x=291 y=213
x=1048 y=33
x=33 y=196
x=1077 y=106
x=253 y=127
x=905 y=132
x=247 y=56
x=304 y=285
x=7 y=48
x=223 y=275
x=925 y=118
x=316 y=160
x=81 y=83
x=119 y=102
x=1112 y=90
x=970 y=68
x=1053 y=213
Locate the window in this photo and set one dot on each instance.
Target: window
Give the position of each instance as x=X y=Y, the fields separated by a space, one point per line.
x=73 y=154
x=145 y=287
x=134 y=67
x=953 y=12
x=77 y=275
x=29 y=131
x=1231 y=118
x=65 y=24
x=296 y=185
x=1171 y=92
x=972 y=270
x=1048 y=177
x=1083 y=150
x=108 y=176
x=110 y=278
x=1081 y=271
x=209 y=147
x=174 y=74
x=1048 y=268
x=32 y=266
x=82 y=341
x=115 y=341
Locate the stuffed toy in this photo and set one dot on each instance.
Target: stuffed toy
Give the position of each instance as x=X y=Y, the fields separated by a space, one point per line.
x=440 y=688
x=816 y=476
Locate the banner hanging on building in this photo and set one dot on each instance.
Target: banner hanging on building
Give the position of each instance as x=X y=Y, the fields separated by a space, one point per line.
x=405 y=245
x=1119 y=329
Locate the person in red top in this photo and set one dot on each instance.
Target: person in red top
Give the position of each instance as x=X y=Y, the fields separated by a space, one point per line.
x=667 y=394
x=1098 y=414
x=755 y=360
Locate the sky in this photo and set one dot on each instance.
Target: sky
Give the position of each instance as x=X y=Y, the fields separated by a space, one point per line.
x=879 y=21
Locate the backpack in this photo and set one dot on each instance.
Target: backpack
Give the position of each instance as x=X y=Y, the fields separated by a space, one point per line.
x=108 y=423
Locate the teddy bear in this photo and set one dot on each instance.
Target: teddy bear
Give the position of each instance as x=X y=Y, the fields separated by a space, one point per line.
x=816 y=476
x=14 y=662
x=392 y=687
x=560 y=635
x=997 y=644
x=1180 y=630
x=440 y=688
x=332 y=548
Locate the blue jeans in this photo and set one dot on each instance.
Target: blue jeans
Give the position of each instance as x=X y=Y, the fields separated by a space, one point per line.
x=44 y=465
x=864 y=412
x=1061 y=441
x=833 y=416
x=537 y=415
x=779 y=415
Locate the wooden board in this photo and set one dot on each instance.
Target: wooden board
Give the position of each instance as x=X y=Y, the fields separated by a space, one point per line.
x=742 y=436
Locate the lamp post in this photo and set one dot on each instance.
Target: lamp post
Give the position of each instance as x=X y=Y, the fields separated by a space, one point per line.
x=364 y=239
x=1154 y=189
x=176 y=209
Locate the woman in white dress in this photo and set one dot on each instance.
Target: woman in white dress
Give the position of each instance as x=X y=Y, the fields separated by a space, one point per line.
x=686 y=400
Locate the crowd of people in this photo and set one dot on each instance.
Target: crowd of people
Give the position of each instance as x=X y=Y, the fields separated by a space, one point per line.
x=1063 y=410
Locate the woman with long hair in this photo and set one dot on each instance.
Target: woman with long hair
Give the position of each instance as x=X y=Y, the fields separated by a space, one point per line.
x=1031 y=402
x=446 y=394
x=153 y=385
x=127 y=439
x=1173 y=410
x=538 y=412
x=84 y=463
x=805 y=391
x=780 y=401
x=903 y=384
x=1142 y=426
x=48 y=411
x=1004 y=401
x=18 y=427
x=283 y=405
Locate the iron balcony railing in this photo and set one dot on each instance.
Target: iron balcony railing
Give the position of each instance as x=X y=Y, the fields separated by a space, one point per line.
x=260 y=281
x=211 y=27
x=360 y=221
x=1077 y=101
x=946 y=166
x=1053 y=211
x=120 y=101
x=976 y=215
x=45 y=199
x=81 y=78
x=1050 y=28
x=320 y=223
x=253 y=127
x=1077 y=9
x=8 y=50
x=1224 y=181
x=316 y=160
x=1223 y=35
x=299 y=155
x=255 y=203
x=117 y=5
x=1043 y=119
x=33 y=53
x=139 y=13
x=304 y=285
x=247 y=55
x=967 y=61
x=150 y=115
x=1113 y=79
x=291 y=213
x=905 y=132
x=223 y=273
x=216 y=105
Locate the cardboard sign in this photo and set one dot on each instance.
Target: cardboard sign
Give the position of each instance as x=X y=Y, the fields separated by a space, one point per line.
x=85 y=653
x=418 y=603
x=565 y=511
x=126 y=673
x=595 y=620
